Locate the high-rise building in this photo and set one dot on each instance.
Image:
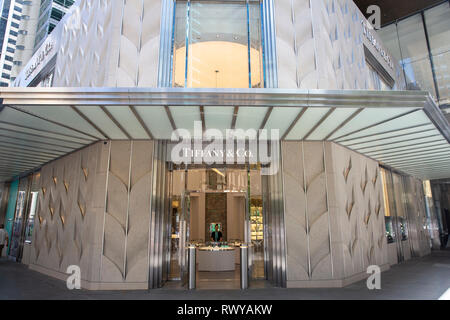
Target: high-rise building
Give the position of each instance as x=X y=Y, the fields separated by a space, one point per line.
x=26 y=36
x=39 y=18
x=11 y=11
x=50 y=13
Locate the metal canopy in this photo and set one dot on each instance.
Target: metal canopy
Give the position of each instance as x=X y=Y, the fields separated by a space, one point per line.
x=401 y=129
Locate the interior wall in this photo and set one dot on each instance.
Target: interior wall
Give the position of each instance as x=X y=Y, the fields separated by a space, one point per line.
x=333 y=214
x=236 y=216
x=232 y=212
x=197 y=226
x=216 y=212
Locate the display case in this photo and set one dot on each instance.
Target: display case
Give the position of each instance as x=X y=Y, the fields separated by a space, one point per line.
x=390 y=234
x=256 y=220
x=403 y=228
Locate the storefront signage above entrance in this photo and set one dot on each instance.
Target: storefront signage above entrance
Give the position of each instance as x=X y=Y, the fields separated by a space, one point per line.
x=214 y=147
x=376 y=44
x=44 y=53
x=42 y=63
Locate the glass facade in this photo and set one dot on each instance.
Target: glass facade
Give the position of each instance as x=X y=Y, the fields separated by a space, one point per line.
x=438 y=27
x=422 y=45
x=217 y=44
x=376 y=81
x=206 y=199
x=51 y=12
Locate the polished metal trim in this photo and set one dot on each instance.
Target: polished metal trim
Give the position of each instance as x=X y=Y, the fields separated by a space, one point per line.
x=416 y=154
x=108 y=168
x=378 y=67
x=28 y=149
x=305 y=189
x=385 y=132
x=158 y=216
x=428 y=167
x=202 y=117
x=91 y=123
x=393 y=143
x=114 y=120
x=151 y=200
x=375 y=153
x=170 y=116
x=19 y=158
x=42 y=136
x=266 y=118
x=40 y=142
x=377 y=124
x=344 y=123
x=45 y=131
x=425 y=172
x=40 y=149
x=130 y=168
x=389 y=137
x=166 y=43
x=193 y=268
x=317 y=125
x=437 y=117
x=420 y=160
x=9 y=166
x=39 y=136
x=53 y=122
x=328 y=208
x=235 y=115
x=269 y=44
x=294 y=123
x=213 y=97
x=6 y=158
x=431 y=166
x=283 y=224
x=394 y=209
x=27 y=153
x=141 y=122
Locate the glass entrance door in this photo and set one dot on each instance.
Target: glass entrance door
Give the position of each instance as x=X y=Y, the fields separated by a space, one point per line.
x=184 y=237
x=203 y=198
x=179 y=236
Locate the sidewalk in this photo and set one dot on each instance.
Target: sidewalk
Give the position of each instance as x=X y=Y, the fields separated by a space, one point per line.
x=424 y=278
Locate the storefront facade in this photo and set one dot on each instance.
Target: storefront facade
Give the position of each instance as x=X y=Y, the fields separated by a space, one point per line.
x=311 y=146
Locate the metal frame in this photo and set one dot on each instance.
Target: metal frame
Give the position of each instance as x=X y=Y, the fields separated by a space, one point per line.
x=427 y=39
x=168 y=14
x=69 y=138
x=213 y=97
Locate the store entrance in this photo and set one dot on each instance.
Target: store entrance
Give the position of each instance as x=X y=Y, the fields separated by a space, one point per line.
x=216 y=209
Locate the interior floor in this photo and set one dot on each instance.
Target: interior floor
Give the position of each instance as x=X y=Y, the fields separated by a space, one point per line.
x=224 y=280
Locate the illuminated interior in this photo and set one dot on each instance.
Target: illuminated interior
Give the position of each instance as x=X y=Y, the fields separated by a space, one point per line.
x=217 y=64
x=209 y=54
x=205 y=200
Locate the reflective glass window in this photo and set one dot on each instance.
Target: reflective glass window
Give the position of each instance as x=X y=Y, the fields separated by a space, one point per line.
x=217 y=44
x=438 y=25
x=415 y=57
